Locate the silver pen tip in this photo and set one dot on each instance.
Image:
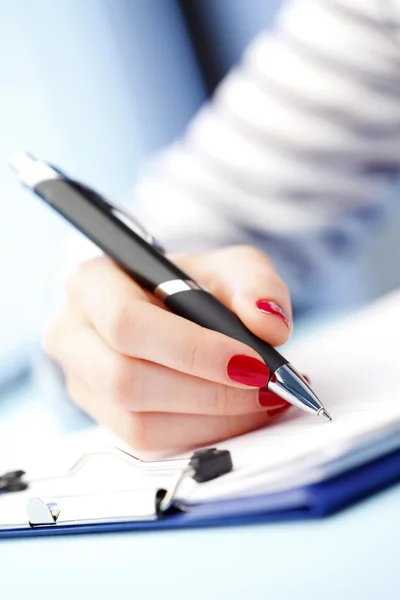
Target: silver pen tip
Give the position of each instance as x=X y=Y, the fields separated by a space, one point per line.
x=292 y=387
x=324 y=413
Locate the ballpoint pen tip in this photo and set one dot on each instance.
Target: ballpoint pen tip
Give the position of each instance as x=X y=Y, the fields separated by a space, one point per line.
x=324 y=413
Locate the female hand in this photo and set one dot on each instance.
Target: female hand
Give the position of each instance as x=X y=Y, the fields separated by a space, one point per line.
x=158 y=381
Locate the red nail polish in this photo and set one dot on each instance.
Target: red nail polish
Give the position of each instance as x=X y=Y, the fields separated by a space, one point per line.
x=248 y=370
x=270 y=400
x=272 y=308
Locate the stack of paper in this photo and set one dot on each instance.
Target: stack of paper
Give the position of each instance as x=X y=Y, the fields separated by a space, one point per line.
x=354 y=365
x=355 y=370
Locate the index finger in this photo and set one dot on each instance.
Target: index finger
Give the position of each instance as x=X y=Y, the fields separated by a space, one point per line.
x=245 y=280
x=132 y=325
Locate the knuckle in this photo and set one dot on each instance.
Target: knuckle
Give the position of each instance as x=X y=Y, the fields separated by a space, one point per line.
x=223 y=400
x=191 y=351
x=80 y=394
x=52 y=337
x=119 y=383
x=231 y=426
x=119 y=322
x=139 y=434
x=75 y=277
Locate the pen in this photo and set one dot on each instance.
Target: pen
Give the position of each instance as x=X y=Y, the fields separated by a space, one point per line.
x=120 y=236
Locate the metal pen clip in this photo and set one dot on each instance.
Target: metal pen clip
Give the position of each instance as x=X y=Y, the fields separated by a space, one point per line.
x=132 y=222
x=32 y=171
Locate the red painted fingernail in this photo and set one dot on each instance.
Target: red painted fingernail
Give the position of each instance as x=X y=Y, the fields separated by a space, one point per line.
x=272 y=412
x=272 y=308
x=270 y=400
x=248 y=370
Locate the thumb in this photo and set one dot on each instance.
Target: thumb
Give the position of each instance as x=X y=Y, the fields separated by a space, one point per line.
x=244 y=279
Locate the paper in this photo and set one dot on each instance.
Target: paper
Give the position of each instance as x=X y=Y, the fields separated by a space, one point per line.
x=355 y=369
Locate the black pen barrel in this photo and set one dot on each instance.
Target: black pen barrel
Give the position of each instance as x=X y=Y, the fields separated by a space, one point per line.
x=88 y=211
x=124 y=240
x=93 y=216
x=204 y=309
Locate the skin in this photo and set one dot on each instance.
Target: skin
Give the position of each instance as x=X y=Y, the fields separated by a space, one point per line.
x=156 y=380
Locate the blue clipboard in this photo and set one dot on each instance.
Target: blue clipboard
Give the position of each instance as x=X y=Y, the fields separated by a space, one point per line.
x=309 y=502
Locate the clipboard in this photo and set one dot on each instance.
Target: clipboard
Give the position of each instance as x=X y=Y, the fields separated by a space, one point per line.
x=304 y=470
x=149 y=506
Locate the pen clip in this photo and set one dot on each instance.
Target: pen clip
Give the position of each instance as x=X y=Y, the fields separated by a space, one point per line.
x=132 y=222
x=32 y=172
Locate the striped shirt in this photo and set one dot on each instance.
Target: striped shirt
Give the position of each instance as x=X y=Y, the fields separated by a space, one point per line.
x=297 y=151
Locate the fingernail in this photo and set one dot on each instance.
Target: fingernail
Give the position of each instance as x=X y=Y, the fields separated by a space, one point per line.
x=272 y=412
x=272 y=308
x=306 y=377
x=270 y=400
x=248 y=370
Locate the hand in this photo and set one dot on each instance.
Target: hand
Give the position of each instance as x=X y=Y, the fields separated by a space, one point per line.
x=160 y=382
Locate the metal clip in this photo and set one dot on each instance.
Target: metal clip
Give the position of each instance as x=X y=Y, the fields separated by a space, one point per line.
x=148 y=498
x=132 y=222
x=13 y=481
x=204 y=465
x=114 y=507
x=17 y=480
x=40 y=513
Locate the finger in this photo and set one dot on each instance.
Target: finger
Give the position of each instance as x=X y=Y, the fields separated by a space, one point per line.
x=124 y=318
x=245 y=280
x=100 y=265
x=141 y=386
x=153 y=432
x=163 y=432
